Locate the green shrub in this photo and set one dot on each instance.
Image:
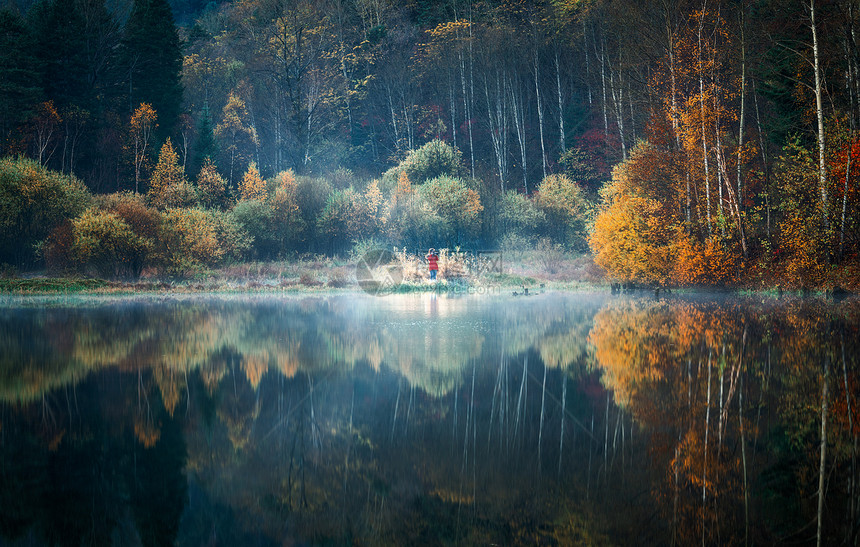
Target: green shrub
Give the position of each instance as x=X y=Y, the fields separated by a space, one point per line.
x=288 y=226
x=337 y=221
x=256 y=218
x=187 y=242
x=33 y=202
x=211 y=186
x=133 y=209
x=311 y=196
x=458 y=207
x=435 y=159
x=566 y=211
x=104 y=241
x=234 y=241
x=520 y=216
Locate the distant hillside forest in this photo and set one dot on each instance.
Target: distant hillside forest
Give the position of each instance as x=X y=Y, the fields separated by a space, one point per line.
x=682 y=142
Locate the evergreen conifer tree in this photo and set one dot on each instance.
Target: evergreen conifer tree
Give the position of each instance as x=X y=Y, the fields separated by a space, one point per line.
x=19 y=84
x=152 y=61
x=206 y=146
x=58 y=44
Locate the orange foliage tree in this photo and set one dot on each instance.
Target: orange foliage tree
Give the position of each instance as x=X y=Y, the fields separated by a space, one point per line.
x=252 y=187
x=141 y=126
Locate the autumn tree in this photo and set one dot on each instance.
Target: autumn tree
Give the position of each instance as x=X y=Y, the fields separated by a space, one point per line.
x=211 y=186
x=34 y=201
x=236 y=134
x=45 y=126
x=187 y=242
x=287 y=222
x=141 y=127
x=252 y=186
x=168 y=186
x=104 y=241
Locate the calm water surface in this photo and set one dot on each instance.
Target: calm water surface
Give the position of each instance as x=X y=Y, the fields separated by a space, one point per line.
x=554 y=419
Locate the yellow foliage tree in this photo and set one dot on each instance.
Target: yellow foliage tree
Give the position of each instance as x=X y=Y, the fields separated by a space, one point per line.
x=252 y=185
x=168 y=186
x=211 y=186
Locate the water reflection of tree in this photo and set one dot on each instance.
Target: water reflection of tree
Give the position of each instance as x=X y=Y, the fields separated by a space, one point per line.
x=99 y=485
x=741 y=407
x=314 y=412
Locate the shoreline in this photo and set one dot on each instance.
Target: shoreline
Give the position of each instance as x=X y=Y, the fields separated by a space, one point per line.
x=520 y=273
x=39 y=286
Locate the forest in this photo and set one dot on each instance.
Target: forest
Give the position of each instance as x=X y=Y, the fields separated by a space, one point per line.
x=681 y=143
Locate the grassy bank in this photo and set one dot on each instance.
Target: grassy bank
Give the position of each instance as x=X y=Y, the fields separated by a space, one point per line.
x=458 y=273
x=515 y=272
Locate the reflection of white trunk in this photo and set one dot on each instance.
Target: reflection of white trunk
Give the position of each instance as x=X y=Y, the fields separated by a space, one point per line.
x=590 y=453
x=744 y=459
x=852 y=489
x=561 y=434
x=823 y=446
x=705 y=463
x=542 y=409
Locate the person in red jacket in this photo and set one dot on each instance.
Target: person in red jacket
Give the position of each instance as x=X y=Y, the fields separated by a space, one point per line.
x=433 y=261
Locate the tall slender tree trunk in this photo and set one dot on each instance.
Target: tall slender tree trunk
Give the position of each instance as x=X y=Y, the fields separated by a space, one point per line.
x=602 y=58
x=587 y=64
x=845 y=197
x=617 y=101
x=819 y=111
x=560 y=105
x=518 y=111
x=632 y=115
x=471 y=101
x=742 y=119
x=763 y=159
x=539 y=111
x=702 y=115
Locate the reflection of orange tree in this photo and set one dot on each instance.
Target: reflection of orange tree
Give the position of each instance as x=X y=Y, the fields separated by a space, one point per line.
x=691 y=375
x=676 y=367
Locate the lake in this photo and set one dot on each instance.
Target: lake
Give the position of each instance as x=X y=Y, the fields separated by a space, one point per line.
x=429 y=419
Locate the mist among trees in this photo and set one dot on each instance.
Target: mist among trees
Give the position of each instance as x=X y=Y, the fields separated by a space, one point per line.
x=680 y=142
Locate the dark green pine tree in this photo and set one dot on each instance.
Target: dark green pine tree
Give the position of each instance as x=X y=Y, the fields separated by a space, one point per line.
x=206 y=145
x=152 y=61
x=19 y=82
x=58 y=32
